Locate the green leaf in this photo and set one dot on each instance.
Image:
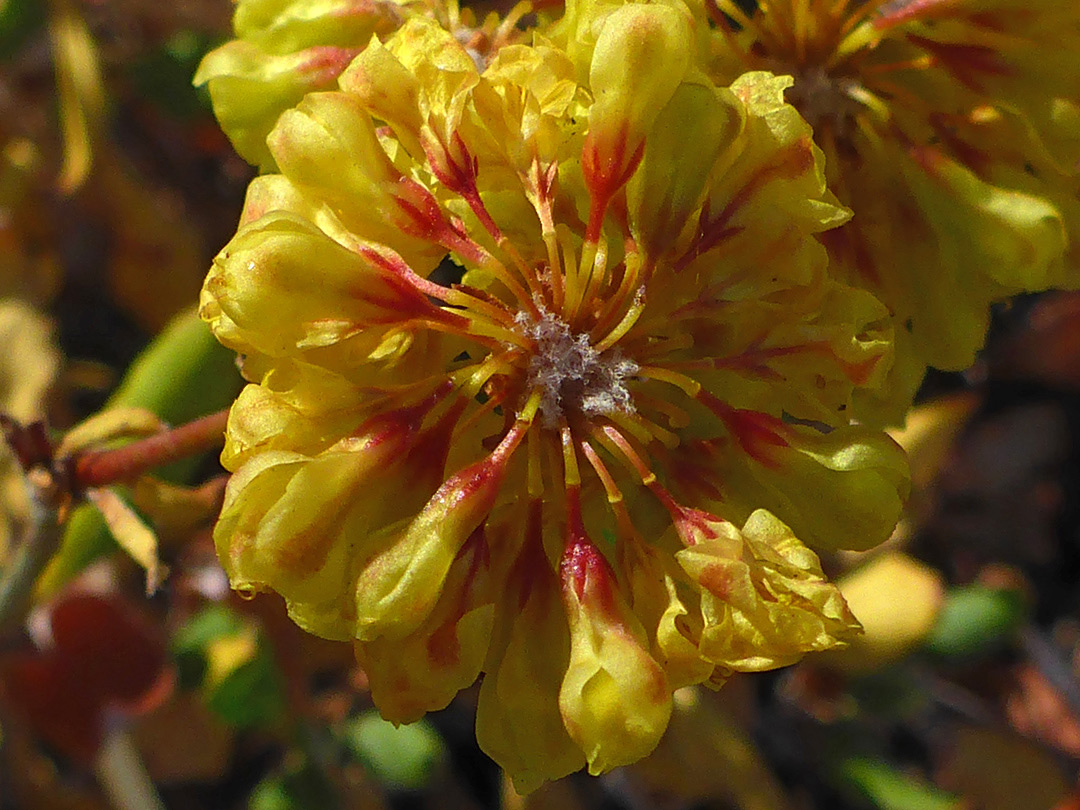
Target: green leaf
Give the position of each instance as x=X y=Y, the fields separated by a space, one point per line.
x=183 y=374
x=164 y=76
x=253 y=694
x=191 y=639
x=271 y=794
x=18 y=20
x=402 y=757
x=220 y=652
x=975 y=619
x=890 y=789
x=212 y=622
x=301 y=789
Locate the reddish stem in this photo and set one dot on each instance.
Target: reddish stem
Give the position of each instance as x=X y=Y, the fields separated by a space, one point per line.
x=103 y=467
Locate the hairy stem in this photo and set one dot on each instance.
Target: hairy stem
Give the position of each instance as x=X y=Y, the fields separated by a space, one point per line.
x=104 y=467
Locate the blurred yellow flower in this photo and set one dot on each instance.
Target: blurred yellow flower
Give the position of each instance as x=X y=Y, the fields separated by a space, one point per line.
x=28 y=371
x=951 y=129
x=591 y=468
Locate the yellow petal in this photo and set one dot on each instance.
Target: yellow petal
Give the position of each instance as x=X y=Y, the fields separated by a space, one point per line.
x=694 y=127
x=615 y=698
x=517 y=715
x=399 y=587
x=423 y=671
x=841 y=489
x=641 y=56
x=282 y=285
x=765 y=600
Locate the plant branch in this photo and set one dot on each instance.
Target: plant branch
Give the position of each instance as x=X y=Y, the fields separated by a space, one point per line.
x=41 y=539
x=57 y=483
x=103 y=467
x=122 y=774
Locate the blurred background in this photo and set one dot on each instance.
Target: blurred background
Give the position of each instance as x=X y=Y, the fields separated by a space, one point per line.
x=116 y=190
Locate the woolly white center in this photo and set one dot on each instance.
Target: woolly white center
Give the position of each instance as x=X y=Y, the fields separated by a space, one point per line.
x=572 y=375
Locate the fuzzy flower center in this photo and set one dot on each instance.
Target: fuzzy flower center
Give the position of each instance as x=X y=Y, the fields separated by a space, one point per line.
x=823 y=99
x=570 y=373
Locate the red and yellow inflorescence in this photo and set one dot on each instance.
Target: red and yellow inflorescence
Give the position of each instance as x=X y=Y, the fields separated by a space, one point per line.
x=549 y=381
x=285 y=49
x=952 y=129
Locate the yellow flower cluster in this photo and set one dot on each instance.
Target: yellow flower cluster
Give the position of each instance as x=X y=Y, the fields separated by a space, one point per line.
x=558 y=350
x=952 y=129
x=285 y=49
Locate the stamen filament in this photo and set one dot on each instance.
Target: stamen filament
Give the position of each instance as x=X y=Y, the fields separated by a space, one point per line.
x=470 y=249
x=480 y=328
x=472 y=378
x=556 y=271
x=677 y=417
x=688 y=385
x=609 y=435
x=532 y=405
x=746 y=23
x=571 y=474
x=568 y=267
x=596 y=271
x=581 y=273
x=479 y=413
x=471 y=195
x=614 y=494
x=626 y=324
x=509 y=23
x=717 y=16
x=639 y=425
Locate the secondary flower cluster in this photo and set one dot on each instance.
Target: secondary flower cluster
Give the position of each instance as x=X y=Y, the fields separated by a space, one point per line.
x=952 y=129
x=552 y=379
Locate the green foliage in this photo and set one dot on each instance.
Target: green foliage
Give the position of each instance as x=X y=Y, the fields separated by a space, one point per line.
x=164 y=76
x=402 y=757
x=303 y=788
x=190 y=641
x=890 y=789
x=252 y=695
x=221 y=653
x=182 y=375
x=18 y=19
x=975 y=619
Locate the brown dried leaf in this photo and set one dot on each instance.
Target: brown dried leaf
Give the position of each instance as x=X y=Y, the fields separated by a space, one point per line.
x=996 y=771
x=1036 y=709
